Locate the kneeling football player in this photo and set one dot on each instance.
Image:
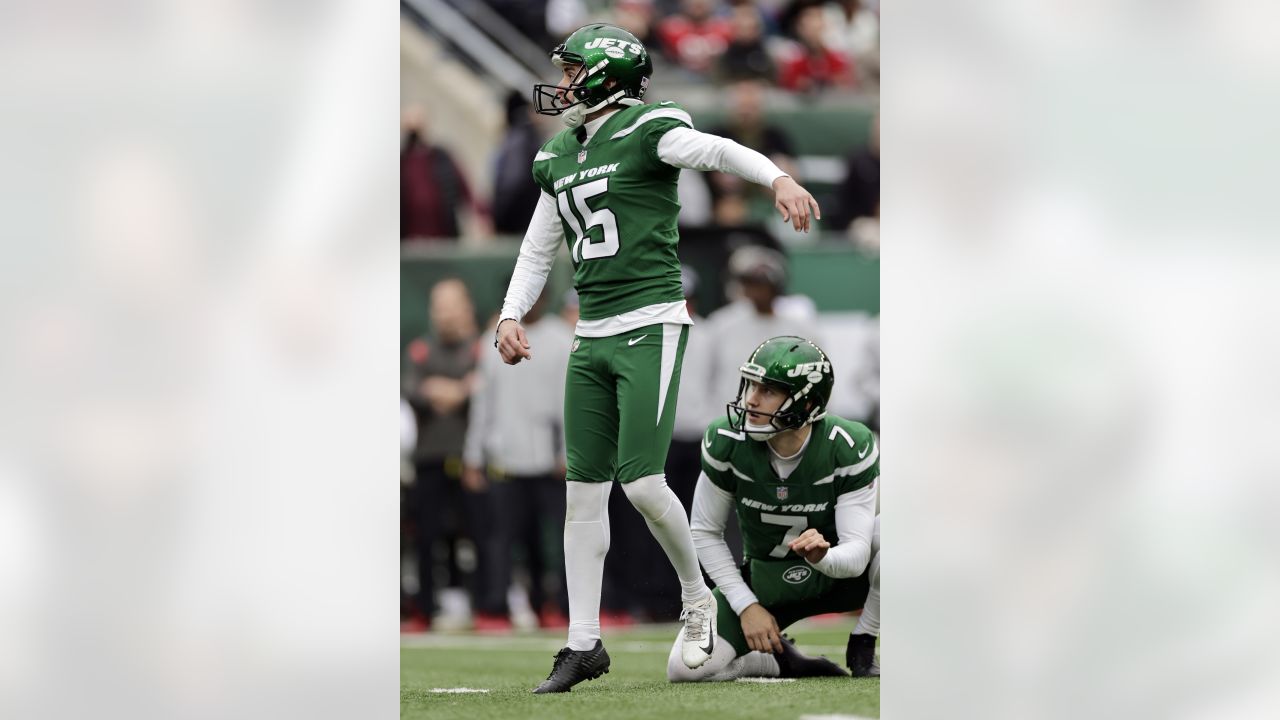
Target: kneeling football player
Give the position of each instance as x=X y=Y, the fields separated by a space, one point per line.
x=803 y=484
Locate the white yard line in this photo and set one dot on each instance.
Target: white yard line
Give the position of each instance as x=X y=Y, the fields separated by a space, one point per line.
x=764 y=680
x=834 y=717
x=458 y=691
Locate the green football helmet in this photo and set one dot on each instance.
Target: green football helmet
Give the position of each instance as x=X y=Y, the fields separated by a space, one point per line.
x=603 y=53
x=799 y=369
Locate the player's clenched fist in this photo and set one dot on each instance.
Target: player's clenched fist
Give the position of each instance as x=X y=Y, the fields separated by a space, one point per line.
x=811 y=545
x=761 y=629
x=513 y=346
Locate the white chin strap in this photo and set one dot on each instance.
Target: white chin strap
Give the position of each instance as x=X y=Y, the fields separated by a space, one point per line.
x=574 y=116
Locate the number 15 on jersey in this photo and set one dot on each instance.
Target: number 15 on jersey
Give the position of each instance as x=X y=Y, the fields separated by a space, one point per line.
x=590 y=219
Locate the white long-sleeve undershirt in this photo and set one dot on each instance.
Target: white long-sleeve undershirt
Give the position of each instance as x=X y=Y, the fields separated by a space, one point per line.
x=689 y=149
x=537 y=253
x=679 y=147
x=855 y=525
x=707 y=521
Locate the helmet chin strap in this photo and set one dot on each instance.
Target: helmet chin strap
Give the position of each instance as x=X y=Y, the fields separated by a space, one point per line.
x=576 y=115
x=760 y=432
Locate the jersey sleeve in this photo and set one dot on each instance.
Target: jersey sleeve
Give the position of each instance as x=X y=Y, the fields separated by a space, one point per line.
x=542 y=169
x=540 y=174
x=857 y=456
x=657 y=122
x=717 y=451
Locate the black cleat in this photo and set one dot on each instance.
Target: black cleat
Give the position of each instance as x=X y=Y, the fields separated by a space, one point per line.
x=794 y=664
x=860 y=656
x=574 y=666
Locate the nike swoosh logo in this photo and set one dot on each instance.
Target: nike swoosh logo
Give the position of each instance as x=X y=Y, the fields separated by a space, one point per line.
x=633 y=341
x=711 y=643
x=706 y=443
x=864 y=452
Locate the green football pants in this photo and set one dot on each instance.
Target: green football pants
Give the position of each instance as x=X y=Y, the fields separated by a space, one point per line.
x=620 y=402
x=790 y=590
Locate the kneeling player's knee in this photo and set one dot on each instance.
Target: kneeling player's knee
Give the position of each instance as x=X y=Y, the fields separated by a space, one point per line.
x=650 y=496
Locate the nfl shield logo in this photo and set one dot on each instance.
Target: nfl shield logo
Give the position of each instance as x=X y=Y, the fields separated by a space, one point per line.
x=782 y=493
x=582 y=157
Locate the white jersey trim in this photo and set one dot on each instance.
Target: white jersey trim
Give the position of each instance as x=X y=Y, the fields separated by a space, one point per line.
x=672 y=113
x=676 y=313
x=543 y=156
x=851 y=469
x=670 y=344
x=723 y=465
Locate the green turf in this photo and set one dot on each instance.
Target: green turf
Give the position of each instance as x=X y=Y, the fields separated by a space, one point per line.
x=635 y=687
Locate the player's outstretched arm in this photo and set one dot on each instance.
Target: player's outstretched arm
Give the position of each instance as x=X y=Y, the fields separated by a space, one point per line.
x=693 y=150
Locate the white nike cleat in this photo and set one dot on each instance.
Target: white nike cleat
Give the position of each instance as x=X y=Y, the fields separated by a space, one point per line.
x=699 y=637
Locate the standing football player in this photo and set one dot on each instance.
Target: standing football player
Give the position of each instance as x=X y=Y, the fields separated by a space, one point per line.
x=609 y=191
x=803 y=484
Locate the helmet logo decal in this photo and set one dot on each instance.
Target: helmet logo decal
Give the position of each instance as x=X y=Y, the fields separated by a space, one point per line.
x=608 y=43
x=644 y=86
x=811 y=369
x=614 y=52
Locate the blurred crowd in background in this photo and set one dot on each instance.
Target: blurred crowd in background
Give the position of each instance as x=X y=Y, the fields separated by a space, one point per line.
x=483 y=477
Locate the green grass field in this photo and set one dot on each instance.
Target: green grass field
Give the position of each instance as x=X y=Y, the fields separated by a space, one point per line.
x=635 y=687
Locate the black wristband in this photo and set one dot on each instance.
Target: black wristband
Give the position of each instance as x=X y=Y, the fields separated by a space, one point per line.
x=496 y=329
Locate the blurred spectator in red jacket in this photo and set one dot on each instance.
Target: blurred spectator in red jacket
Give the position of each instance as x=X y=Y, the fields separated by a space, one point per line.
x=854 y=29
x=695 y=38
x=811 y=65
x=432 y=186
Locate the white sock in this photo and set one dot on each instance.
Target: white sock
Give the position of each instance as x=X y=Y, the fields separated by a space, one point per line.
x=586 y=540
x=755 y=664
x=869 y=622
x=666 y=519
x=722 y=665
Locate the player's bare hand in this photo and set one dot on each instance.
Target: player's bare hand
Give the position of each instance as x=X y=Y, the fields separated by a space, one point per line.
x=810 y=545
x=512 y=343
x=795 y=203
x=761 y=629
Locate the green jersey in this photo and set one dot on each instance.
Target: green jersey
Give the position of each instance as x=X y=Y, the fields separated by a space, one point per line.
x=841 y=457
x=618 y=206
